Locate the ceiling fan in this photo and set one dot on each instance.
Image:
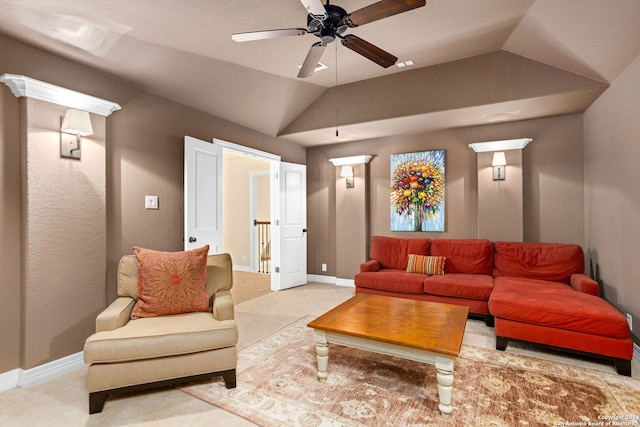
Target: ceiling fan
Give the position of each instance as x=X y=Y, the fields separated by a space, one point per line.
x=328 y=22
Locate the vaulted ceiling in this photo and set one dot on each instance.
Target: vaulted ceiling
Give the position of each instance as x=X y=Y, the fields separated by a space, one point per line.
x=474 y=61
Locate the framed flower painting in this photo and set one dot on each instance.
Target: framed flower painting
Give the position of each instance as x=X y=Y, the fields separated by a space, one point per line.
x=417 y=191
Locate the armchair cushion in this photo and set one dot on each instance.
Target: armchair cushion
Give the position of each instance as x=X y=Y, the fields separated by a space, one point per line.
x=171 y=282
x=161 y=336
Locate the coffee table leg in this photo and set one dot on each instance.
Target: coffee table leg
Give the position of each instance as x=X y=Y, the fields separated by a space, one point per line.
x=444 y=365
x=322 y=355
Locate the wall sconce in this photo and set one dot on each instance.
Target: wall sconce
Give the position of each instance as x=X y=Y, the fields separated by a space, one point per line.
x=499 y=164
x=76 y=123
x=347 y=173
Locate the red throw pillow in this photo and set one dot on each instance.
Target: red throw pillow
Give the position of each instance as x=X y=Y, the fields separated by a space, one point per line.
x=171 y=282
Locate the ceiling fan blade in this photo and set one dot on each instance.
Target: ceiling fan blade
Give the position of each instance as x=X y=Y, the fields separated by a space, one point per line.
x=315 y=8
x=381 y=9
x=311 y=61
x=267 y=34
x=369 y=51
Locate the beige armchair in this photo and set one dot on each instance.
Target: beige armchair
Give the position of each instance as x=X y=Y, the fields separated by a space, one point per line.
x=128 y=355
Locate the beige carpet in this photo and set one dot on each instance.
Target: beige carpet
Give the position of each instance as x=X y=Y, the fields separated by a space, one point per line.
x=247 y=286
x=277 y=386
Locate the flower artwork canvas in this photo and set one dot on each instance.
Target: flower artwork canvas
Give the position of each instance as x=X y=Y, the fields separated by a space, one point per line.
x=417 y=191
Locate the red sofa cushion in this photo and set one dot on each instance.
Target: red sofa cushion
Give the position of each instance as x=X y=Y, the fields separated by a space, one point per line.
x=470 y=286
x=391 y=280
x=544 y=261
x=469 y=256
x=393 y=252
x=555 y=305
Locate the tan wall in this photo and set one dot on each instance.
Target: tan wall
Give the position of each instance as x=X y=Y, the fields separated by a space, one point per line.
x=551 y=212
x=612 y=198
x=144 y=156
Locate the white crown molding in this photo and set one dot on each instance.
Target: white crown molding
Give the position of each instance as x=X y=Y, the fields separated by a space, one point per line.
x=43 y=91
x=507 y=144
x=351 y=160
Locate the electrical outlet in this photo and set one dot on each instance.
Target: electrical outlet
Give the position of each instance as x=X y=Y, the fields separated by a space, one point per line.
x=630 y=321
x=324 y=267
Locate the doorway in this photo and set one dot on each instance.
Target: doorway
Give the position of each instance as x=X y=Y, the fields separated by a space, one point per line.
x=246 y=211
x=203 y=218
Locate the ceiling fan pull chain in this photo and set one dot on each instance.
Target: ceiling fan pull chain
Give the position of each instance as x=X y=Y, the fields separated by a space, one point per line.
x=336 y=91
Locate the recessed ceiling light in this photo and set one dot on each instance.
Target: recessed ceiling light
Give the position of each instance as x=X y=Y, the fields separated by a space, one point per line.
x=404 y=63
x=320 y=67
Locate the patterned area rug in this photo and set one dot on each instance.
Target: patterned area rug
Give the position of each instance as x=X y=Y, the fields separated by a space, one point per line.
x=277 y=386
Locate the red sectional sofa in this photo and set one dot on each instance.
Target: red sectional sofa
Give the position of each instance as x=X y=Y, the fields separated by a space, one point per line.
x=535 y=292
x=540 y=295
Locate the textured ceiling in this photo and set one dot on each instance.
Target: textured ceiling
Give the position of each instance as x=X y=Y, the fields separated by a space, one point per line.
x=183 y=51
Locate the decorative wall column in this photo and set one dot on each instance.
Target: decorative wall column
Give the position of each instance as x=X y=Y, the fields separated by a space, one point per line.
x=62 y=221
x=500 y=202
x=352 y=217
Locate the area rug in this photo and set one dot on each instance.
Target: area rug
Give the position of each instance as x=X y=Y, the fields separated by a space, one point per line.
x=277 y=386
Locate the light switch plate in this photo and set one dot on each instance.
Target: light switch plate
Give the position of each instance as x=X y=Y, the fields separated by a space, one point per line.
x=151 y=202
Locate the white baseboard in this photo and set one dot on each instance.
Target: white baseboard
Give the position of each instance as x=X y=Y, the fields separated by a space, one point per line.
x=318 y=278
x=246 y=268
x=9 y=380
x=345 y=282
x=321 y=279
x=27 y=378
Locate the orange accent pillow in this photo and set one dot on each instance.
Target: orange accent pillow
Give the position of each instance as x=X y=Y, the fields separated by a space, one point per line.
x=430 y=265
x=171 y=282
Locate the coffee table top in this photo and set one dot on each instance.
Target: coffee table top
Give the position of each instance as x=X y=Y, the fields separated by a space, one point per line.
x=424 y=325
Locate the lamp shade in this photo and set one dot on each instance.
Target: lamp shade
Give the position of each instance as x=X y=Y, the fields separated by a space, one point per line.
x=77 y=122
x=346 y=172
x=499 y=159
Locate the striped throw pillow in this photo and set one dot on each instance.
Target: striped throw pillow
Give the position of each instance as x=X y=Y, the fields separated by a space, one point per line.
x=431 y=265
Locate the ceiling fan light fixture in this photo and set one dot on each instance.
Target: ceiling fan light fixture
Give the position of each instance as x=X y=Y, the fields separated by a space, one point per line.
x=319 y=67
x=328 y=22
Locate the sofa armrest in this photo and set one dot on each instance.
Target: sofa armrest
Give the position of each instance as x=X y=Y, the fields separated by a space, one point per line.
x=583 y=283
x=117 y=314
x=370 y=266
x=223 y=305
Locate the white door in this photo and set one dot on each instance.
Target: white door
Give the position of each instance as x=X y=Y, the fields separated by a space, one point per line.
x=202 y=195
x=292 y=263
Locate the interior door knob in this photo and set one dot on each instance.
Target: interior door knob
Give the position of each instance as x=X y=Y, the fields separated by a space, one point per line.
x=192 y=239
x=304 y=230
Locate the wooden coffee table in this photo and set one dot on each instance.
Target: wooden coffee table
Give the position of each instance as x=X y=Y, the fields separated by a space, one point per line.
x=423 y=331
